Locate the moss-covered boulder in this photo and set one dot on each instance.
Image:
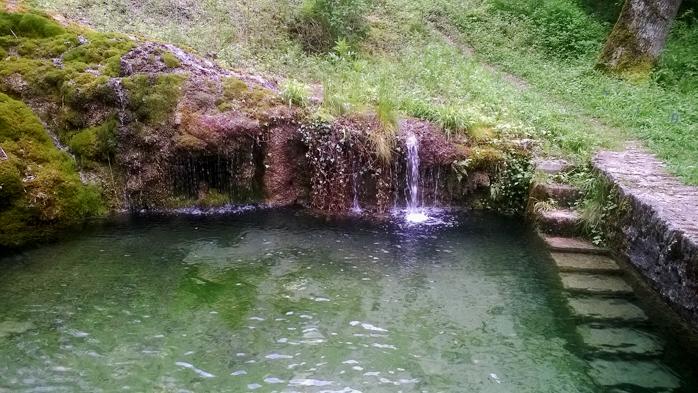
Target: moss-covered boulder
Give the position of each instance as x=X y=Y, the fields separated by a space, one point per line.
x=40 y=188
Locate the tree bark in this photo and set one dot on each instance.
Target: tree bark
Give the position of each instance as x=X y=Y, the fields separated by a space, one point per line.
x=638 y=37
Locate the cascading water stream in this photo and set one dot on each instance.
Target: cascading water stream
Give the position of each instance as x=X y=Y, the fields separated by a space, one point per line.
x=356 y=207
x=415 y=213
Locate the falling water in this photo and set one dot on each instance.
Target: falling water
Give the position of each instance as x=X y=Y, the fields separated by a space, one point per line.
x=355 y=206
x=415 y=212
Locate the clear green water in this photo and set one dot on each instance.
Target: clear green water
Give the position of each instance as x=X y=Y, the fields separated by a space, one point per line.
x=280 y=301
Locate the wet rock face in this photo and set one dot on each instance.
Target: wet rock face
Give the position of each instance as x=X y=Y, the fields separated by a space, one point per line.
x=657 y=227
x=155 y=127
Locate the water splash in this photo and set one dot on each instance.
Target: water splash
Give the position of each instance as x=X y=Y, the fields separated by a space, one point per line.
x=415 y=213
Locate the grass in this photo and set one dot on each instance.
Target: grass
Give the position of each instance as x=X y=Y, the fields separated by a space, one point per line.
x=449 y=61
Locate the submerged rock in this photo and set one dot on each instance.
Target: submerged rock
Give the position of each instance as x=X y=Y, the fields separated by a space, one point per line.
x=12 y=327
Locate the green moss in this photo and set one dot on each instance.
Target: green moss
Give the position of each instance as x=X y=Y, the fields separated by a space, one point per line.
x=51 y=195
x=95 y=143
x=213 y=198
x=104 y=50
x=188 y=142
x=153 y=98
x=10 y=182
x=170 y=60
x=234 y=88
x=28 y=25
x=18 y=122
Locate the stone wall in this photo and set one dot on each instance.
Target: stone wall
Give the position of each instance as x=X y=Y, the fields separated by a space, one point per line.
x=657 y=226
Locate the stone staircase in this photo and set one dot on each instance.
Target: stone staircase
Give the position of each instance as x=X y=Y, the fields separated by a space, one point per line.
x=622 y=352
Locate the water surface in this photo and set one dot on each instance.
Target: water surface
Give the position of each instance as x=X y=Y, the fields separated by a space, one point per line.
x=282 y=301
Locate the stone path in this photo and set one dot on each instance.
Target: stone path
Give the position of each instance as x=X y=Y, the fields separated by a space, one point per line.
x=640 y=174
x=622 y=354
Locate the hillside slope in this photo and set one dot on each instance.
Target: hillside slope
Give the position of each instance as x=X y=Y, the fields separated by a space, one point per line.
x=444 y=60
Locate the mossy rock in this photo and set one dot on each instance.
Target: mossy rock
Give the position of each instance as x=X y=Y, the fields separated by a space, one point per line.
x=170 y=60
x=41 y=189
x=153 y=97
x=95 y=143
x=28 y=25
x=10 y=182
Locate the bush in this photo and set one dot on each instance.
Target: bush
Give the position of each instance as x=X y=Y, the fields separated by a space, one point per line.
x=678 y=65
x=561 y=27
x=319 y=24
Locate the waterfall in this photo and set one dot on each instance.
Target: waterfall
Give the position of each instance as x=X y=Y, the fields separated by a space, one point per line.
x=415 y=212
x=355 y=206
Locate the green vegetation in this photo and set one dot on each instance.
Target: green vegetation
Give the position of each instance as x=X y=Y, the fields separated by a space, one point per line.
x=39 y=185
x=319 y=24
x=525 y=66
x=153 y=98
x=295 y=93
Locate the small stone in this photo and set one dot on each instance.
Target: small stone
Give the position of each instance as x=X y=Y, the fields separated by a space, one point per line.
x=595 y=284
x=615 y=341
x=603 y=309
x=587 y=263
x=645 y=374
x=552 y=166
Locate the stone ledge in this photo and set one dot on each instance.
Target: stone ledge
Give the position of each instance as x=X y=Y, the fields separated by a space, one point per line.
x=657 y=231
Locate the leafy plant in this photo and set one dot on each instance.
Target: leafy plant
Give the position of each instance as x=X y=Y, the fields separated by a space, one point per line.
x=295 y=93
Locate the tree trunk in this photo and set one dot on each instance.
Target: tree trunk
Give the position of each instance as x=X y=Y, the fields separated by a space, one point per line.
x=638 y=37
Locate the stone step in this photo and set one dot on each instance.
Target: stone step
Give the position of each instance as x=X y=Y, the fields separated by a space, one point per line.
x=586 y=263
x=552 y=166
x=558 y=221
x=645 y=374
x=594 y=308
x=562 y=194
x=595 y=284
x=572 y=244
x=620 y=341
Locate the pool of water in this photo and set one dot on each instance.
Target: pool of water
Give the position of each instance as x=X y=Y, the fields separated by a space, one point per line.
x=282 y=301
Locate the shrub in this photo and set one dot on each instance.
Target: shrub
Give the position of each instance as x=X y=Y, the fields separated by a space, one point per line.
x=319 y=24
x=561 y=27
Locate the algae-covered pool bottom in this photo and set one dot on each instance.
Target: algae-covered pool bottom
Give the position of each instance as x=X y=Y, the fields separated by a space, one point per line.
x=281 y=301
